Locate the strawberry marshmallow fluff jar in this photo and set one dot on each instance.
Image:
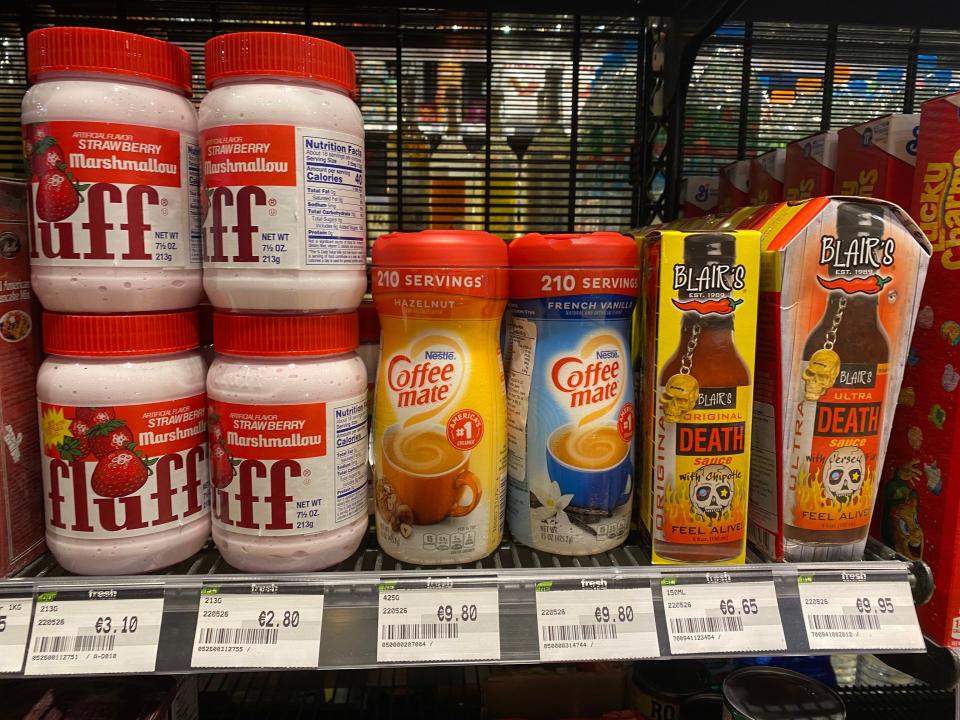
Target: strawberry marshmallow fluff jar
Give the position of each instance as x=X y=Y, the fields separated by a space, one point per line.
x=282 y=146
x=124 y=447
x=110 y=141
x=287 y=427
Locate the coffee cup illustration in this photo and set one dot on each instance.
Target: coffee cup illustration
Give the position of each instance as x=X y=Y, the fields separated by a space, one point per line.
x=428 y=474
x=592 y=463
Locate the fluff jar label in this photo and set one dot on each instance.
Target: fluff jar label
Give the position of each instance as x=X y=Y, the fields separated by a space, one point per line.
x=280 y=196
x=288 y=469
x=439 y=418
x=571 y=418
x=124 y=470
x=107 y=194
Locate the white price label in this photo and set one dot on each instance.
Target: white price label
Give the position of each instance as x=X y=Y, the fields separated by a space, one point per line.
x=14 y=630
x=258 y=625
x=85 y=632
x=437 y=621
x=595 y=624
x=722 y=617
x=858 y=614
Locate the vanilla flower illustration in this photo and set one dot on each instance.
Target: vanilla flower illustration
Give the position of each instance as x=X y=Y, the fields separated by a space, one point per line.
x=552 y=503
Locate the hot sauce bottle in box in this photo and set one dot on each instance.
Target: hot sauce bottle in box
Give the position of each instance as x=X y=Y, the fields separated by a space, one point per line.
x=440 y=431
x=706 y=331
x=836 y=440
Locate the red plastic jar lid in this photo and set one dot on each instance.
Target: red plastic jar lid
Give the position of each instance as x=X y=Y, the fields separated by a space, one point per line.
x=440 y=248
x=599 y=249
x=110 y=52
x=283 y=54
x=120 y=335
x=284 y=335
x=369 y=323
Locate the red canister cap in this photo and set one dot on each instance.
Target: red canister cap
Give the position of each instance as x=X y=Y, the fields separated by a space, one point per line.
x=119 y=335
x=284 y=54
x=111 y=52
x=284 y=335
x=598 y=249
x=440 y=248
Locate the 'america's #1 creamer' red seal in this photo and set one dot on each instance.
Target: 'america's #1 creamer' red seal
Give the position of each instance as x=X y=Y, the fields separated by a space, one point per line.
x=124 y=470
x=113 y=194
x=288 y=469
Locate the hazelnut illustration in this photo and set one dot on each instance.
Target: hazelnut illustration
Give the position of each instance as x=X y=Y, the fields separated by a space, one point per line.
x=406 y=530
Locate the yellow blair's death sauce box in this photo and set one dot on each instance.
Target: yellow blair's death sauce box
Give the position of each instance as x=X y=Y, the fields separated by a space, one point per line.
x=698 y=316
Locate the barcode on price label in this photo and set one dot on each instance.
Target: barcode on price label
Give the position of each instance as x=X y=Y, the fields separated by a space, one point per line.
x=430 y=631
x=239 y=636
x=68 y=643
x=249 y=625
x=600 y=619
x=578 y=633
x=706 y=624
x=845 y=610
x=719 y=613
x=104 y=630
x=14 y=629
x=438 y=619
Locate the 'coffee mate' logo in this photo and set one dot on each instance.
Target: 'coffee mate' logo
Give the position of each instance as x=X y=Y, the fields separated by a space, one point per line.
x=427 y=379
x=593 y=378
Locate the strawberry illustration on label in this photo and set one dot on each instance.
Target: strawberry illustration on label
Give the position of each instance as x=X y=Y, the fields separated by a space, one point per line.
x=45 y=156
x=95 y=416
x=109 y=436
x=222 y=467
x=58 y=196
x=120 y=473
x=75 y=446
x=33 y=135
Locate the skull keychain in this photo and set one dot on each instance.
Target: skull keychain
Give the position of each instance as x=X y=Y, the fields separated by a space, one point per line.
x=682 y=390
x=824 y=365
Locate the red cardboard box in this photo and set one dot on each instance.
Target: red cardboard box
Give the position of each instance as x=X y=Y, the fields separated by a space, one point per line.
x=811 y=162
x=876 y=159
x=766 y=177
x=699 y=193
x=734 y=186
x=917 y=512
x=21 y=504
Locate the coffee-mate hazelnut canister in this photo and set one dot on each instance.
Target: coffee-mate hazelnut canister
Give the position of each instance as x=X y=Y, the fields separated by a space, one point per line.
x=440 y=434
x=570 y=396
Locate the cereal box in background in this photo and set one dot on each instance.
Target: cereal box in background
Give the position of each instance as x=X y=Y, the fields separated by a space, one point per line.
x=734 y=186
x=810 y=166
x=876 y=158
x=699 y=194
x=21 y=506
x=839 y=288
x=699 y=324
x=918 y=511
x=766 y=177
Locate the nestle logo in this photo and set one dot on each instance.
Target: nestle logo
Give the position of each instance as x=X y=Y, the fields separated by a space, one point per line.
x=439 y=355
x=607 y=354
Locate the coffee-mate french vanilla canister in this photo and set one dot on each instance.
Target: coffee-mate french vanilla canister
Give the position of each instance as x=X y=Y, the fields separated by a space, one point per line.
x=440 y=432
x=571 y=418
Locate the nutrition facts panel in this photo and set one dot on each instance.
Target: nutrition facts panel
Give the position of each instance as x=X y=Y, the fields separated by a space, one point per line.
x=334 y=202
